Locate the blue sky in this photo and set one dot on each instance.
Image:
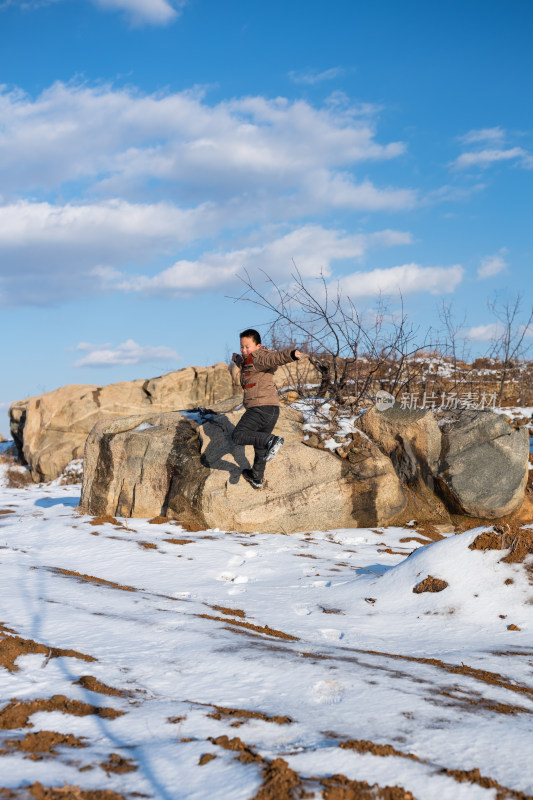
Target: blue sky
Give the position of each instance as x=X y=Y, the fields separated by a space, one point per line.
x=150 y=150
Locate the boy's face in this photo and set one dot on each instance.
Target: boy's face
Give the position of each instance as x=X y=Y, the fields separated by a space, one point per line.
x=248 y=346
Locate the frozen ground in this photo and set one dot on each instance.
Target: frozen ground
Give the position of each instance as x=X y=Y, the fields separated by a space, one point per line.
x=221 y=653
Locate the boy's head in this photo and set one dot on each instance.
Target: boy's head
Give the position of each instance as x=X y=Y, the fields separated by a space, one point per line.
x=250 y=341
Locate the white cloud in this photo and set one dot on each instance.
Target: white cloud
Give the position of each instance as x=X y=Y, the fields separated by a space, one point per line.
x=118 y=140
x=50 y=253
x=451 y=194
x=241 y=165
x=496 y=134
x=404 y=279
x=140 y=12
x=312 y=248
x=128 y=352
x=484 y=158
x=485 y=333
x=244 y=164
x=25 y=5
x=312 y=76
x=493 y=265
x=339 y=191
x=151 y=12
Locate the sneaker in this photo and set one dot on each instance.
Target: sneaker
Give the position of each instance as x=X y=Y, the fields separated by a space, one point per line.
x=273 y=446
x=248 y=475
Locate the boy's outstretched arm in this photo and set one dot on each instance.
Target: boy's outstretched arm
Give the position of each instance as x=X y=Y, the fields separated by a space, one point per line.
x=266 y=359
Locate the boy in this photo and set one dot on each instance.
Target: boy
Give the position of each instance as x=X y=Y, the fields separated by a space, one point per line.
x=261 y=401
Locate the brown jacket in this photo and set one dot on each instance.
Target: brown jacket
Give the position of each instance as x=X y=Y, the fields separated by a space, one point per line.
x=257 y=376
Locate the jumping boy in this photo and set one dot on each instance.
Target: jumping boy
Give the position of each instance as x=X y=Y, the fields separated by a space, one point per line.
x=261 y=401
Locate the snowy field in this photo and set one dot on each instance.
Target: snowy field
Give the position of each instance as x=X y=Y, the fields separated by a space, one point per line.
x=225 y=665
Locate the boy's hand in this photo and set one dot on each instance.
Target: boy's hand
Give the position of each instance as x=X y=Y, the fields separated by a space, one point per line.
x=297 y=354
x=236 y=357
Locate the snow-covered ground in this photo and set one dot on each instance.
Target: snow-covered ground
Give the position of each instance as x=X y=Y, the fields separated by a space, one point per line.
x=248 y=648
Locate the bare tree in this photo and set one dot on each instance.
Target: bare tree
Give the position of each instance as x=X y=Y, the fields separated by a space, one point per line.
x=508 y=345
x=354 y=354
x=454 y=341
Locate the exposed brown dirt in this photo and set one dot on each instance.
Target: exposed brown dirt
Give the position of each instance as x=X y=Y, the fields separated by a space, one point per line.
x=331 y=610
x=94 y=685
x=221 y=712
x=510 y=537
x=117 y=764
x=105 y=518
x=11 y=647
x=148 y=545
x=266 y=629
x=430 y=584
x=179 y=541
x=43 y=742
x=280 y=782
x=513 y=628
x=187 y=526
x=18 y=712
x=429 y=530
x=365 y=746
x=414 y=539
x=6 y=511
x=91 y=579
x=522 y=516
x=246 y=754
x=339 y=787
x=305 y=555
x=205 y=758
x=40 y=792
x=475 y=776
x=233 y=612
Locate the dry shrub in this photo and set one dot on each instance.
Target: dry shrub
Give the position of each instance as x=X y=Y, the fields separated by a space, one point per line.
x=73 y=473
x=16 y=476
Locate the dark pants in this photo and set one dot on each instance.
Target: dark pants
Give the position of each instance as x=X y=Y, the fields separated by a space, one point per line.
x=255 y=427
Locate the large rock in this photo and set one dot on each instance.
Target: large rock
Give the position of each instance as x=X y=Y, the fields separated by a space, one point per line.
x=410 y=437
x=473 y=464
x=185 y=467
x=50 y=430
x=483 y=468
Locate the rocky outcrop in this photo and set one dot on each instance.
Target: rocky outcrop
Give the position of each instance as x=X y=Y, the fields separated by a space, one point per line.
x=483 y=467
x=50 y=430
x=185 y=467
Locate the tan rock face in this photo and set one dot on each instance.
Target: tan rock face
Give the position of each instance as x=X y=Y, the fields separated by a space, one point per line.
x=410 y=437
x=50 y=430
x=189 y=470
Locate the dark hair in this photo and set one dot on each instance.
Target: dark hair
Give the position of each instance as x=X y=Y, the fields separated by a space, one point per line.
x=250 y=333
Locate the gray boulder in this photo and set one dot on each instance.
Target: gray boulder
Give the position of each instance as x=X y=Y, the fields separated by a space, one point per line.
x=483 y=467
